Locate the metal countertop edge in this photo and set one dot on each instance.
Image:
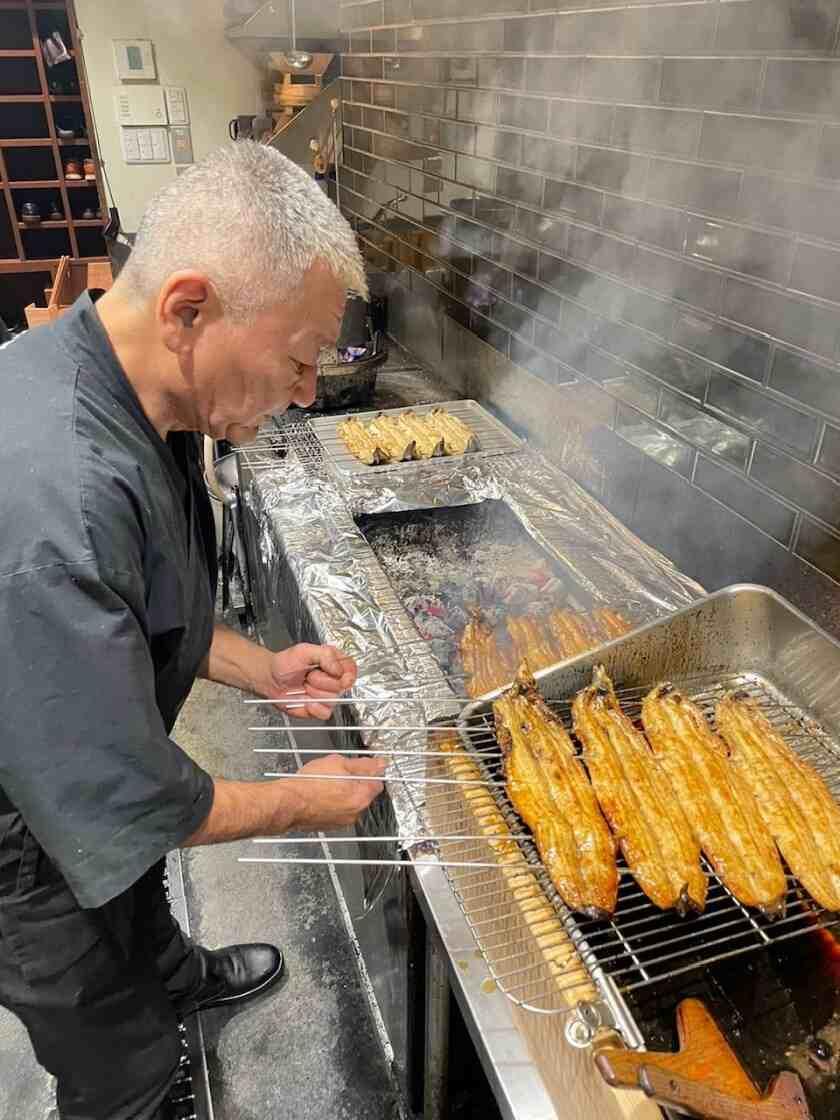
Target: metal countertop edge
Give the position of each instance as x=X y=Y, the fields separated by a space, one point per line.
x=517 y=1085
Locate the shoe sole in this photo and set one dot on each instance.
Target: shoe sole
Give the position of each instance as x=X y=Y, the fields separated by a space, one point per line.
x=272 y=979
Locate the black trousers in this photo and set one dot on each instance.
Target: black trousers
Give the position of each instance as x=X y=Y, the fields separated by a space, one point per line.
x=97 y=990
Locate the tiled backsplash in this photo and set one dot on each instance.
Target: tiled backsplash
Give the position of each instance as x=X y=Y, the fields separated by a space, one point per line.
x=637 y=207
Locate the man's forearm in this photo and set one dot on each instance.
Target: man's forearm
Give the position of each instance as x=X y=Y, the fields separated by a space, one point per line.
x=236 y=661
x=245 y=809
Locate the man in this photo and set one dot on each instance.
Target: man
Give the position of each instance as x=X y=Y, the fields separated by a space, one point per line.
x=107 y=576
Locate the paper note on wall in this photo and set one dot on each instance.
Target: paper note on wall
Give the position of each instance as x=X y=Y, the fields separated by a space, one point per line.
x=145 y=145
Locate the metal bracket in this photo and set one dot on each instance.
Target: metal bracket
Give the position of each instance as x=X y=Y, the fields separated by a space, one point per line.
x=586 y=1020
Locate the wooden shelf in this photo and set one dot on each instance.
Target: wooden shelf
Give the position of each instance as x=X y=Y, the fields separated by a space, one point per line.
x=27 y=45
x=12 y=264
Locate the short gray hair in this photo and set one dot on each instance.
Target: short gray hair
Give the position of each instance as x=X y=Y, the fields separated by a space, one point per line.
x=252 y=221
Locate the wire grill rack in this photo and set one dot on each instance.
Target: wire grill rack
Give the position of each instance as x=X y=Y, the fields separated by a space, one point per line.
x=493 y=437
x=528 y=949
x=282 y=441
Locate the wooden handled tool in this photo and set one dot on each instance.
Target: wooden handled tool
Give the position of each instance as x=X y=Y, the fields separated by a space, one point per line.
x=704 y=1078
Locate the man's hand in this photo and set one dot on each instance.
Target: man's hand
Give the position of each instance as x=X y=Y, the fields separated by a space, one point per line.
x=242 y=810
x=336 y=804
x=320 y=671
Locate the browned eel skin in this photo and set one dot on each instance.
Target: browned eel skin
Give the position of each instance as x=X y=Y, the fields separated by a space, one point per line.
x=530 y=642
x=610 y=623
x=486 y=665
x=551 y=792
x=795 y=803
x=718 y=803
x=638 y=801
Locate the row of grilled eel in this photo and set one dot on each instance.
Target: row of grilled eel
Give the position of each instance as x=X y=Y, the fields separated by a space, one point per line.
x=400 y=437
x=489 y=663
x=743 y=798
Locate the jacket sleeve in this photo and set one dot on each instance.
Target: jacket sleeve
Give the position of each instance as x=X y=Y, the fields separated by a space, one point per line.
x=84 y=755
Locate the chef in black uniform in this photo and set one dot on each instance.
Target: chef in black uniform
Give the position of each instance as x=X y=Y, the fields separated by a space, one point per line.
x=107 y=584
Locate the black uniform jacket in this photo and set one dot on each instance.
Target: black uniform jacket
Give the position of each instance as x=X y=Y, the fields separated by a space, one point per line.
x=107 y=578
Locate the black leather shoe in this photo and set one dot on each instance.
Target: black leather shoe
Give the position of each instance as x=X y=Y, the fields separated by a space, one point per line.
x=234 y=974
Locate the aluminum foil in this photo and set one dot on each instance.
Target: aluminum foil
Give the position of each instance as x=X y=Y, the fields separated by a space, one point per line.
x=322 y=574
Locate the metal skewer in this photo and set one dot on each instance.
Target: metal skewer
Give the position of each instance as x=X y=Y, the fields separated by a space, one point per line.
x=404 y=863
x=382 y=778
x=382 y=839
x=289 y=703
x=352 y=727
x=363 y=752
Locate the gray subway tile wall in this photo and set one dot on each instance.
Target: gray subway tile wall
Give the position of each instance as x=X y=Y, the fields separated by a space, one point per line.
x=637 y=206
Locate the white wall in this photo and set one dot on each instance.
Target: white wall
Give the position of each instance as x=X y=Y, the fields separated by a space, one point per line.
x=191 y=51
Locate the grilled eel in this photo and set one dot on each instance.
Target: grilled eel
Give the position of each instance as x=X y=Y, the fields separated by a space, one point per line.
x=550 y=790
x=571 y=633
x=716 y=799
x=610 y=623
x=638 y=801
x=388 y=433
x=531 y=642
x=457 y=437
x=360 y=443
x=551 y=940
x=429 y=443
x=794 y=802
x=485 y=663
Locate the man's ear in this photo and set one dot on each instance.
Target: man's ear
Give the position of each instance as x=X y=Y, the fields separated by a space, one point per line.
x=186 y=303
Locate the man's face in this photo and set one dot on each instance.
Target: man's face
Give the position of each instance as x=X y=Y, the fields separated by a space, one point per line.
x=245 y=372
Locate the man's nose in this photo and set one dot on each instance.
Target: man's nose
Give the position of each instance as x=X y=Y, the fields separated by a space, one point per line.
x=304 y=394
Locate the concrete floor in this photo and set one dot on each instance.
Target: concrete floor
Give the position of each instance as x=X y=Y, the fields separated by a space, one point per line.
x=308 y=1050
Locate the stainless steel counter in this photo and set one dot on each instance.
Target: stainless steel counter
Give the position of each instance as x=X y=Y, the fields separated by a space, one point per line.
x=311 y=563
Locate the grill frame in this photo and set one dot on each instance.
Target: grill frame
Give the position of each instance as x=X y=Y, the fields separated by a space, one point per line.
x=744 y=636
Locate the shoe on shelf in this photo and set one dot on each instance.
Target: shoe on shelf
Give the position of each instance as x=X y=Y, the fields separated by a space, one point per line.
x=30 y=214
x=65 y=133
x=88 y=215
x=90 y=170
x=56 y=214
x=233 y=975
x=73 y=170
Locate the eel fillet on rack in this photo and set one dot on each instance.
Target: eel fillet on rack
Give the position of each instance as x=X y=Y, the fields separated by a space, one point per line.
x=360 y=443
x=638 y=801
x=530 y=642
x=530 y=905
x=795 y=804
x=457 y=436
x=430 y=444
x=716 y=799
x=550 y=790
x=387 y=432
x=486 y=664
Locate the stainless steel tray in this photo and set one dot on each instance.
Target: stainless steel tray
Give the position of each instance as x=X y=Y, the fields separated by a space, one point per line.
x=493 y=437
x=741 y=637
